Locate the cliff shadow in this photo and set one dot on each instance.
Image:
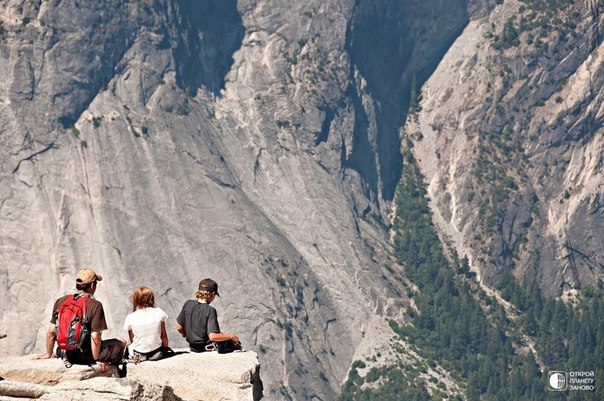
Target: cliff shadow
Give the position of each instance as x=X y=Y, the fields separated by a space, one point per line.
x=396 y=47
x=210 y=31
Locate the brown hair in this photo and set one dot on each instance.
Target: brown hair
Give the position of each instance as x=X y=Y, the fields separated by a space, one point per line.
x=204 y=295
x=143 y=297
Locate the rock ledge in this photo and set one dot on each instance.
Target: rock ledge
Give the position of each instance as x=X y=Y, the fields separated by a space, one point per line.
x=187 y=376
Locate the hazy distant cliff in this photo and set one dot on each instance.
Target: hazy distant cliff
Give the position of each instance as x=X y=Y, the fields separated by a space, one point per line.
x=258 y=143
x=511 y=143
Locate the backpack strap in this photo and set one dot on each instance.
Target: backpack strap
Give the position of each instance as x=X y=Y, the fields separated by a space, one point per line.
x=84 y=312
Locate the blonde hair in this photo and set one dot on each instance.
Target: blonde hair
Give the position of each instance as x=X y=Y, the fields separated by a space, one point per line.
x=204 y=295
x=143 y=297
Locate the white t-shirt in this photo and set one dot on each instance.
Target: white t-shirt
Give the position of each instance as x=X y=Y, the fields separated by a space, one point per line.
x=146 y=327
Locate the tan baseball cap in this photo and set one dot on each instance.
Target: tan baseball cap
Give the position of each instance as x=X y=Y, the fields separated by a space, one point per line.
x=86 y=276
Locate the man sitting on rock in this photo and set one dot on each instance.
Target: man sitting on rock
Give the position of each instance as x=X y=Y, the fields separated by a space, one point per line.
x=94 y=350
x=198 y=321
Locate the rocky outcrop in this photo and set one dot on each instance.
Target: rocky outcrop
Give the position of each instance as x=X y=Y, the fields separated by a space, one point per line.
x=186 y=376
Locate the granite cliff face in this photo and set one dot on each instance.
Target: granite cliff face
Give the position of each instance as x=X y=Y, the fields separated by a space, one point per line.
x=509 y=136
x=165 y=141
x=258 y=143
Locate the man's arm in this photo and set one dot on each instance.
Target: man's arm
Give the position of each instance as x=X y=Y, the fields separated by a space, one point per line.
x=50 y=343
x=223 y=337
x=181 y=329
x=95 y=342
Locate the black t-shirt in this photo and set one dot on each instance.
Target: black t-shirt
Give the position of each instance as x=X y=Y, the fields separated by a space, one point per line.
x=198 y=319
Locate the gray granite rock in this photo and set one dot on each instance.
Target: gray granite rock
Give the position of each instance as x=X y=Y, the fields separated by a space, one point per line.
x=186 y=376
x=257 y=142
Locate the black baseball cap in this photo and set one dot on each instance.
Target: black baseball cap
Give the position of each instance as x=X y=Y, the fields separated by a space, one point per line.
x=207 y=284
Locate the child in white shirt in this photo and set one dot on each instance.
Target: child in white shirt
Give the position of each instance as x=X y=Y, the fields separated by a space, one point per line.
x=146 y=326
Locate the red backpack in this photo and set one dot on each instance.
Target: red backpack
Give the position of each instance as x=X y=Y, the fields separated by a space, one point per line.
x=72 y=332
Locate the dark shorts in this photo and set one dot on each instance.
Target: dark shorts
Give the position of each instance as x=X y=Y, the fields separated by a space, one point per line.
x=155 y=355
x=198 y=347
x=112 y=351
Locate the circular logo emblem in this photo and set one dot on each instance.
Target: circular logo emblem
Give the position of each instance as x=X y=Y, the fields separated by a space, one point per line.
x=557 y=381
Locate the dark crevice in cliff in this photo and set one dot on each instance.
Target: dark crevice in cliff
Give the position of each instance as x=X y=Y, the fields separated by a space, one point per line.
x=324 y=134
x=361 y=159
x=48 y=147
